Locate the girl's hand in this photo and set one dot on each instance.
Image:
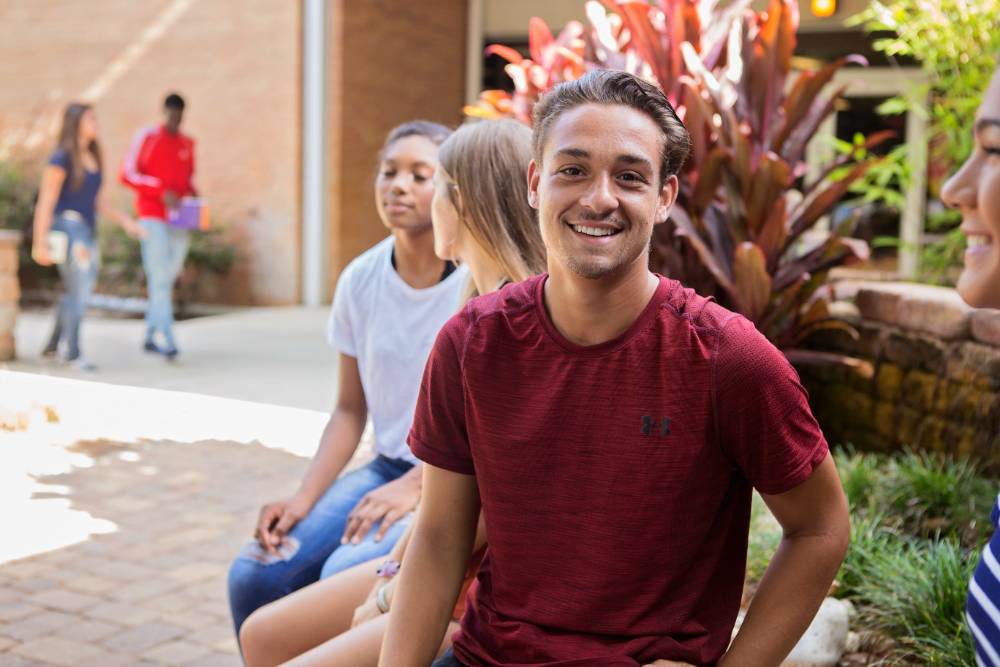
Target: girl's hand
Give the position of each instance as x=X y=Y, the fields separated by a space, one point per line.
x=40 y=253
x=388 y=503
x=369 y=609
x=134 y=229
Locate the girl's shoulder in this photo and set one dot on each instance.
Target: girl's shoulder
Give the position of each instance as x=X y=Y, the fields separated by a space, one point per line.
x=60 y=158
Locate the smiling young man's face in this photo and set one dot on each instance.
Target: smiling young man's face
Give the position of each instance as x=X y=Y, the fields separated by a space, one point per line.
x=599 y=191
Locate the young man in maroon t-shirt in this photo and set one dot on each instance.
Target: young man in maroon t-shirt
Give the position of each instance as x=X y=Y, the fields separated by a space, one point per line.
x=611 y=424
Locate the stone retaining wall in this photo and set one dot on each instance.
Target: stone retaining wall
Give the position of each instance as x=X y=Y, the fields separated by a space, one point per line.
x=10 y=292
x=924 y=372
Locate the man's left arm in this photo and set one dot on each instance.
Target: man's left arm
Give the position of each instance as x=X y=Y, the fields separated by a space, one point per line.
x=816 y=532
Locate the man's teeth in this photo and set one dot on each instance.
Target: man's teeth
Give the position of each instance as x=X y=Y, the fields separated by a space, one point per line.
x=978 y=241
x=594 y=231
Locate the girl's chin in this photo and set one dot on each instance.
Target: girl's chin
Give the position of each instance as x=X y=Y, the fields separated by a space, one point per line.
x=408 y=225
x=980 y=289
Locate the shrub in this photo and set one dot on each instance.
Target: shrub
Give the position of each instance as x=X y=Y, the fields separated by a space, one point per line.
x=956 y=44
x=916 y=593
x=932 y=494
x=871 y=542
x=736 y=232
x=121 y=260
x=860 y=475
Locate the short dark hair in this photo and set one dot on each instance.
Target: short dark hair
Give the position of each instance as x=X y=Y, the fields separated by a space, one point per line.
x=436 y=133
x=174 y=101
x=604 y=86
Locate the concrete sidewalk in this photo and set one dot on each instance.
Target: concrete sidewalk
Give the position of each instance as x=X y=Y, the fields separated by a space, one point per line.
x=268 y=355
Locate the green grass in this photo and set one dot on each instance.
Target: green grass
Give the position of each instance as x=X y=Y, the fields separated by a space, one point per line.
x=871 y=543
x=765 y=535
x=919 y=494
x=915 y=592
x=918 y=523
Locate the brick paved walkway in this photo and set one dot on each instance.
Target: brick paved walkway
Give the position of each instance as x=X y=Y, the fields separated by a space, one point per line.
x=152 y=592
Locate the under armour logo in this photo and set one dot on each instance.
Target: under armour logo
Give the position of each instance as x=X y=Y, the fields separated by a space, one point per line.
x=647 y=425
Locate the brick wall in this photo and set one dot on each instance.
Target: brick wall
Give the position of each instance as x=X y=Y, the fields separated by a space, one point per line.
x=391 y=61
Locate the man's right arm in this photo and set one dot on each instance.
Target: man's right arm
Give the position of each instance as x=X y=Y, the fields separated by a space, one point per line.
x=436 y=560
x=131 y=172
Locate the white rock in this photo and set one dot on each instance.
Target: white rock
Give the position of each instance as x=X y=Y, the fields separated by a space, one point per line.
x=825 y=641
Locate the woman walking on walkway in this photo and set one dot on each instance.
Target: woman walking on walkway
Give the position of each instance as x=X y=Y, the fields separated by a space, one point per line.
x=69 y=199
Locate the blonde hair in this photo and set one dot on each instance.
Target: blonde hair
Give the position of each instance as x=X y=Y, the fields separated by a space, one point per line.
x=488 y=162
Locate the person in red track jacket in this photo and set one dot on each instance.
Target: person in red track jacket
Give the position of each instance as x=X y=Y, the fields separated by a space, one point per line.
x=159 y=166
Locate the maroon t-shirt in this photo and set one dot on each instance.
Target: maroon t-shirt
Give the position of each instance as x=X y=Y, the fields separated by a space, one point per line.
x=615 y=478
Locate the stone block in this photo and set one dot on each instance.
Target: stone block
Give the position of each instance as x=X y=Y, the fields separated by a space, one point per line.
x=976 y=363
x=936 y=310
x=10 y=290
x=885 y=420
x=833 y=340
x=963 y=441
x=931 y=435
x=958 y=402
x=987 y=447
x=912 y=350
x=871 y=340
x=889 y=382
x=850 y=405
x=909 y=422
x=846 y=311
x=864 y=439
x=918 y=390
x=986 y=326
x=879 y=301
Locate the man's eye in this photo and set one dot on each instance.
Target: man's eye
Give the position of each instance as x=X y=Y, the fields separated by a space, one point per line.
x=571 y=171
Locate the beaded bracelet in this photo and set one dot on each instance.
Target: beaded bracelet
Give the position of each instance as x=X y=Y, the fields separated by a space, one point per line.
x=388 y=569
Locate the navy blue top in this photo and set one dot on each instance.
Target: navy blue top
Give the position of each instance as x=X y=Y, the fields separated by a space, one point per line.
x=83 y=200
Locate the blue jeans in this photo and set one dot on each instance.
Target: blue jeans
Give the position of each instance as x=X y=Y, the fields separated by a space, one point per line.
x=163 y=254
x=447 y=660
x=78 y=278
x=253 y=584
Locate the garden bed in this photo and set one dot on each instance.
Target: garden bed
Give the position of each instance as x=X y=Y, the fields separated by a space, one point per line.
x=918 y=523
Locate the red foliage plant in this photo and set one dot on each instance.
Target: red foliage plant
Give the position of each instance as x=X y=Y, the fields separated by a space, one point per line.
x=738 y=231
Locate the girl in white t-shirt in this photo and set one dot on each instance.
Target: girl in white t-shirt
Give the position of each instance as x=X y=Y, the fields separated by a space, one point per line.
x=482 y=218
x=389 y=304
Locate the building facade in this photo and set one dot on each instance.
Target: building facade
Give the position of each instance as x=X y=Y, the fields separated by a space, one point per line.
x=288 y=116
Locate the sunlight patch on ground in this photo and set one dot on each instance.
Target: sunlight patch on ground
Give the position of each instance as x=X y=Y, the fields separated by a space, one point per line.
x=63 y=424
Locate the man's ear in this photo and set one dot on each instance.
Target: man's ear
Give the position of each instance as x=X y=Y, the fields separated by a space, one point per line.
x=668 y=196
x=534 y=175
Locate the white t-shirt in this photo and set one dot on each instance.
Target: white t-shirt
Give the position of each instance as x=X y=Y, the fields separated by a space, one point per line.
x=390 y=327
